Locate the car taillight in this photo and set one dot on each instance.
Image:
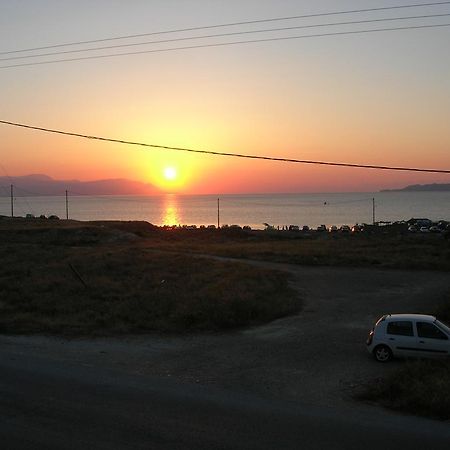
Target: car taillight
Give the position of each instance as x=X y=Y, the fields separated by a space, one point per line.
x=369 y=339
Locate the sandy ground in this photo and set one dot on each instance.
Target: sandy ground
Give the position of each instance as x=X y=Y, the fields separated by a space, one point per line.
x=317 y=357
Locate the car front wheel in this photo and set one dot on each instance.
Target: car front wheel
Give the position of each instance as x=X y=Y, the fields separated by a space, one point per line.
x=382 y=353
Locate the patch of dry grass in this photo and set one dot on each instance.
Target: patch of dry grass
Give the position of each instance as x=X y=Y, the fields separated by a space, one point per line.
x=405 y=252
x=419 y=387
x=130 y=289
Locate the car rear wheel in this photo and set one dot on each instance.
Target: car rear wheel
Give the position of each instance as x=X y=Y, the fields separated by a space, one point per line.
x=382 y=353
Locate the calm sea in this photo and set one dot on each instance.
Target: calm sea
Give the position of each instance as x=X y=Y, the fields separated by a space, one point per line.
x=253 y=210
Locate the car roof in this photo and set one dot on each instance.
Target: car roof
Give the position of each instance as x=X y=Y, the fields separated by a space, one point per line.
x=424 y=317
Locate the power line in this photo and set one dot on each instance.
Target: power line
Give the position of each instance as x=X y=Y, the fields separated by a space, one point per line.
x=223 y=44
x=229 y=24
x=235 y=155
x=234 y=33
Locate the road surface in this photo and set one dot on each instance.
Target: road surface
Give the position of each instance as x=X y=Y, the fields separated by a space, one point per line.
x=49 y=405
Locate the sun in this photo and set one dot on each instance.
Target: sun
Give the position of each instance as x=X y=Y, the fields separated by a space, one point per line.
x=167 y=176
x=170 y=173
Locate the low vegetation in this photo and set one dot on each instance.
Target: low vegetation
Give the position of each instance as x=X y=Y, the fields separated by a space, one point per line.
x=372 y=248
x=89 y=281
x=418 y=387
x=400 y=251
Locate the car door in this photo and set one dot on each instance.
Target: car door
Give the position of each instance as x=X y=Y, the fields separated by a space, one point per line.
x=401 y=338
x=431 y=340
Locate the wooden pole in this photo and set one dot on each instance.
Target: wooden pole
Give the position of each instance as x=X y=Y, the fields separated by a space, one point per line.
x=12 y=201
x=373 y=210
x=67 y=206
x=218 y=213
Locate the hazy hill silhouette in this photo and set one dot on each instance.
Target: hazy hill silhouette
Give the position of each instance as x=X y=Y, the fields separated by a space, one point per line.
x=38 y=184
x=422 y=187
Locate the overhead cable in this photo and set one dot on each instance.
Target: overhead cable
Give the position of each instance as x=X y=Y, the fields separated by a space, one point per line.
x=217 y=153
x=229 y=24
x=223 y=44
x=234 y=33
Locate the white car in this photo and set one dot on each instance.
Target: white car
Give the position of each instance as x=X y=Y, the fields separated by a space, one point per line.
x=408 y=335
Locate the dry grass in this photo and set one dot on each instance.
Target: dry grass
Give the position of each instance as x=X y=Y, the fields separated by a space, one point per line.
x=129 y=289
x=398 y=251
x=419 y=387
x=124 y=276
x=381 y=249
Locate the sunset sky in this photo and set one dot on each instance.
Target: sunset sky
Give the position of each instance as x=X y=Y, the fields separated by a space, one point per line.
x=375 y=98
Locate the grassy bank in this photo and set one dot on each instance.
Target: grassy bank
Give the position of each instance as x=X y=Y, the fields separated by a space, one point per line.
x=431 y=252
x=371 y=249
x=90 y=281
x=418 y=387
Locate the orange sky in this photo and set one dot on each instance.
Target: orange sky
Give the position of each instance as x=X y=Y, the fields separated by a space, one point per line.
x=378 y=99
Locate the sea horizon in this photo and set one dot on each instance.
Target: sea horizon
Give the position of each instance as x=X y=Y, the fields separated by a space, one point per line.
x=254 y=210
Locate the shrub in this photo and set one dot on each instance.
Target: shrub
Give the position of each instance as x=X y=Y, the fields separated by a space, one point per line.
x=419 y=387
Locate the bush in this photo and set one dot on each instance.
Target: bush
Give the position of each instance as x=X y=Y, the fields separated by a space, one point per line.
x=419 y=387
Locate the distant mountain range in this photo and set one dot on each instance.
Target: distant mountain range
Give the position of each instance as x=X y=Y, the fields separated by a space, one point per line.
x=422 y=188
x=38 y=184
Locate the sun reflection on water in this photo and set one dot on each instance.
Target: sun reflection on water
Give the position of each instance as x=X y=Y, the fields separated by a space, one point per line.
x=170 y=212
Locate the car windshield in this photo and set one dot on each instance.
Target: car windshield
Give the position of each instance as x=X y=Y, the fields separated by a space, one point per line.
x=442 y=326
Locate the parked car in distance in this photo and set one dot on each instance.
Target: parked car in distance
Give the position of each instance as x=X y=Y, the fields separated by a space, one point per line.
x=408 y=335
x=412 y=229
x=305 y=228
x=333 y=229
x=435 y=229
x=357 y=228
x=344 y=229
x=321 y=228
x=424 y=230
x=294 y=228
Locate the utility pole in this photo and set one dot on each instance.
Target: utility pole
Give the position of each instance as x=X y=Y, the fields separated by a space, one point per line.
x=373 y=210
x=218 y=213
x=12 y=201
x=67 y=206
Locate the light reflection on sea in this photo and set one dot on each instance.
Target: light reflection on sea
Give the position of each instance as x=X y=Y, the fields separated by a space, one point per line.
x=171 y=211
x=253 y=210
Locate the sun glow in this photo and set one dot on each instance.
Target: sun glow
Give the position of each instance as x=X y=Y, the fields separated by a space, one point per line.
x=168 y=176
x=170 y=173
